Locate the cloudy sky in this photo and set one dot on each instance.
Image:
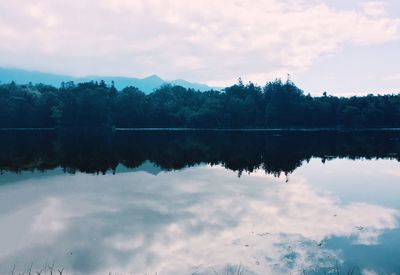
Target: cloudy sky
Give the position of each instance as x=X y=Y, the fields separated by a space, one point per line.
x=339 y=46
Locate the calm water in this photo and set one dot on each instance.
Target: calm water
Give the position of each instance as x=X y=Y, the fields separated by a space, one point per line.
x=176 y=202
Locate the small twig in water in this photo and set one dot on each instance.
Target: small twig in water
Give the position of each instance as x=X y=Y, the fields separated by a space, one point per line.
x=30 y=269
x=51 y=268
x=239 y=270
x=337 y=268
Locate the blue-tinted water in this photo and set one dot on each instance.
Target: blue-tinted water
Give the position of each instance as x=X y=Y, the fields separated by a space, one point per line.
x=329 y=215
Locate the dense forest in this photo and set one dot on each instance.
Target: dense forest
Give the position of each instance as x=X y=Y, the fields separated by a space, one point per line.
x=279 y=104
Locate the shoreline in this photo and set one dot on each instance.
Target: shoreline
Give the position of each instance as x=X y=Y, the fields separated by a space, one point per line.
x=210 y=129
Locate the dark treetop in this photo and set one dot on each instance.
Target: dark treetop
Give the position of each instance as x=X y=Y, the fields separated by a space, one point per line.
x=277 y=104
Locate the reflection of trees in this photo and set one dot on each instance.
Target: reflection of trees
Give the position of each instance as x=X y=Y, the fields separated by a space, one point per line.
x=274 y=152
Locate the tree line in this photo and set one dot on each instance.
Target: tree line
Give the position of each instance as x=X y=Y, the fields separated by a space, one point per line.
x=278 y=104
x=275 y=152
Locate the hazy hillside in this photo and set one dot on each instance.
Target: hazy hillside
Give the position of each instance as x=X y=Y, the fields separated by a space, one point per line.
x=147 y=84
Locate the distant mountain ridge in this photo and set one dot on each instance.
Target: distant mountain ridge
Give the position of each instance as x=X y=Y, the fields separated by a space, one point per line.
x=147 y=84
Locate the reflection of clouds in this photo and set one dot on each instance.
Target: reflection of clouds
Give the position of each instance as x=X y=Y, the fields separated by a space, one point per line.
x=51 y=220
x=54 y=216
x=198 y=219
x=368 y=272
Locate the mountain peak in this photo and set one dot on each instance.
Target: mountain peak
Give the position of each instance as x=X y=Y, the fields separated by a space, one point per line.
x=153 y=77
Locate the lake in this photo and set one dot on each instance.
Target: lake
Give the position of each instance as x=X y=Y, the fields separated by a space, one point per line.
x=200 y=202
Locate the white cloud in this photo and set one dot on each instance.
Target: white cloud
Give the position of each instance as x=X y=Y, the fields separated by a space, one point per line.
x=393 y=77
x=211 y=41
x=374 y=8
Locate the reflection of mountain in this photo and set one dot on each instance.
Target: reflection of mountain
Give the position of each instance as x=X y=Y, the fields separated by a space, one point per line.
x=172 y=150
x=146 y=166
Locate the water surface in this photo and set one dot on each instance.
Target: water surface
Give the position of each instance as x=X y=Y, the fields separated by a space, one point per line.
x=168 y=202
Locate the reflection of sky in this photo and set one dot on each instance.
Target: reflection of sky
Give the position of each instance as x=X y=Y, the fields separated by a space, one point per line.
x=199 y=219
x=375 y=182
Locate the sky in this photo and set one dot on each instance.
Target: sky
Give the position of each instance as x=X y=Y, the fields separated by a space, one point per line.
x=339 y=46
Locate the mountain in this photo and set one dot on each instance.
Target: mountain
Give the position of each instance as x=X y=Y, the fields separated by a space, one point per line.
x=23 y=77
x=147 y=84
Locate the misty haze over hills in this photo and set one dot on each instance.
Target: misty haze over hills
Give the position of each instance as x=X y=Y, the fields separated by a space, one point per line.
x=147 y=84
